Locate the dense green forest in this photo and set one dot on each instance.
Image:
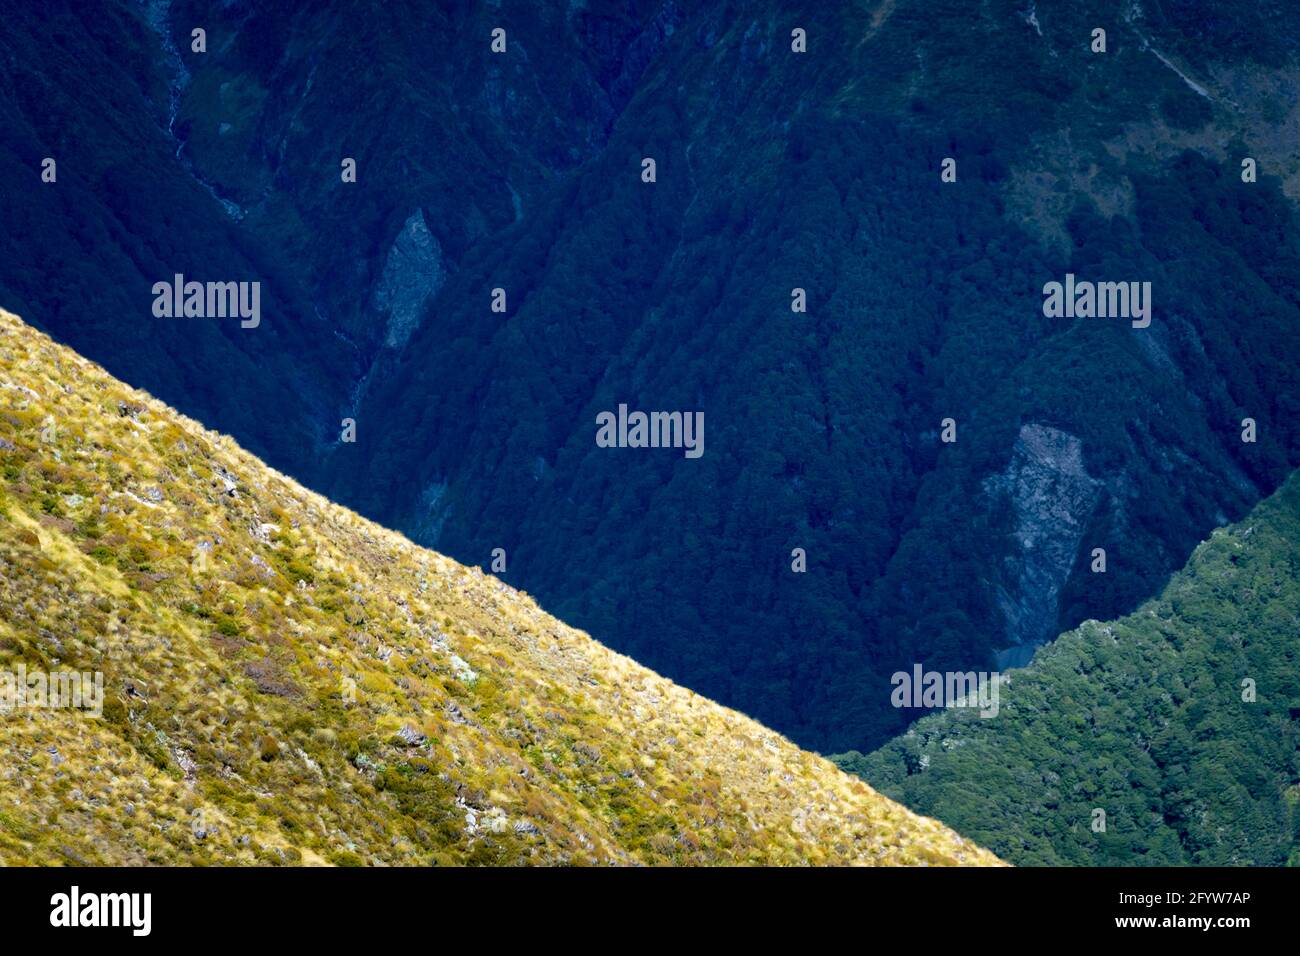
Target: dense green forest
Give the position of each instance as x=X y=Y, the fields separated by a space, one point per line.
x=776 y=170
x=1180 y=721
x=80 y=255
x=924 y=303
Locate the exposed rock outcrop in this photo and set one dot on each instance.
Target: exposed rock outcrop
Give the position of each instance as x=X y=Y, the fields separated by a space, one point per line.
x=1052 y=496
x=413 y=274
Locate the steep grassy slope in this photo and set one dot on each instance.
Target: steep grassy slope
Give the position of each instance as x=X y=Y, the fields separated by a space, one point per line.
x=1145 y=718
x=286 y=682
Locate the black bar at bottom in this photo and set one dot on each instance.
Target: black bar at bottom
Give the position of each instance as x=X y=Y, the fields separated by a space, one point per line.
x=329 y=906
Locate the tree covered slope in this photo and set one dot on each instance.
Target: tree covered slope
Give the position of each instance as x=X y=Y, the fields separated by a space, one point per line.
x=285 y=682
x=1181 y=722
x=776 y=170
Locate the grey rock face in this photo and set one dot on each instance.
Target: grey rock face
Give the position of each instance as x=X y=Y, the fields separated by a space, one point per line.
x=1052 y=496
x=413 y=273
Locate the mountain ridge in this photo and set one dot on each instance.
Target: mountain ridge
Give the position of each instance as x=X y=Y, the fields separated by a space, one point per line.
x=289 y=683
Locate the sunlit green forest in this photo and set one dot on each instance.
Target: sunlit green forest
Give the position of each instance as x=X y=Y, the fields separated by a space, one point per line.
x=1178 y=721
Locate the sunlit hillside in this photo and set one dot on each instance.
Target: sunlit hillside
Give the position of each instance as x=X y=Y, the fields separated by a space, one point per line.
x=285 y=682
